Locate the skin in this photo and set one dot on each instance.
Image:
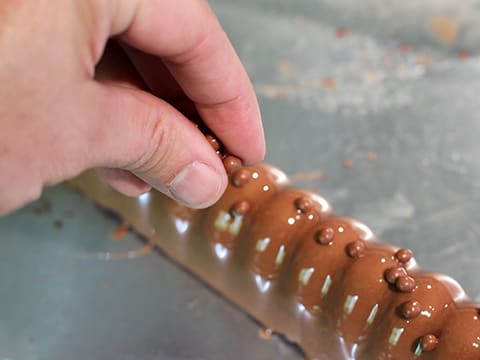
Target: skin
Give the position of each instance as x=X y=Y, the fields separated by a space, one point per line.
x=112 y=84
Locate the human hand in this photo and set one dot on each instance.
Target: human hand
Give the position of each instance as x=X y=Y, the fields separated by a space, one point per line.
x=61 y=114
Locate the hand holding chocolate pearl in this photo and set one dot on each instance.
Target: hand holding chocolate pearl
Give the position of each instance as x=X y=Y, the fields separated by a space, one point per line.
x=112 y=84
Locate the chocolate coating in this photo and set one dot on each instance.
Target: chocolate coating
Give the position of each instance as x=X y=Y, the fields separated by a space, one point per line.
x=334 y=289
x=397 y=337
x=363 y=296
x=277 y=228
x=225 y=220
x=460 y=337
x=317 y=271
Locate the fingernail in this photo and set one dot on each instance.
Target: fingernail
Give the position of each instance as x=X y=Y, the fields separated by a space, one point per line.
x=197 y=185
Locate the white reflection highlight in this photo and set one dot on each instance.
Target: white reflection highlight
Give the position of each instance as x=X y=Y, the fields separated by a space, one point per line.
x=181 y=225
x=395 y=336
x=236 y=225
x=144 y=198
x=262 y=244
x=262 y=284
x=222 y=221
x=426 y=313
x=350 y=302
x=372 y=314
x=280 y=255
x=301 y=307
x=305 y=275
x=326 y=285
x=221 y=251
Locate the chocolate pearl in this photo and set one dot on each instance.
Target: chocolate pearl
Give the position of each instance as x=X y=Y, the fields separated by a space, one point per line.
x=405 y=283
x=356 y=248
x=213 y=142
x=325 y=236
x=392 y=274
x=304 y=204
x=410 y=309
x=240 y=177
x=241 y=207
x=231 y=164
x=429 y=342
x=404 y=255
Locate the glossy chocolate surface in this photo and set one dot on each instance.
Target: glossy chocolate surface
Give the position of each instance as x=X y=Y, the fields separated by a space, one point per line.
x=323 y=281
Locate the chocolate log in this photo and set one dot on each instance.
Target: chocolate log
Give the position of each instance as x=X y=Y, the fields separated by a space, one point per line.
x=321 y=280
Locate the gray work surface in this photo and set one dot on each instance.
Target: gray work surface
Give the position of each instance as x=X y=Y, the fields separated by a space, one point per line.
x=386 y=109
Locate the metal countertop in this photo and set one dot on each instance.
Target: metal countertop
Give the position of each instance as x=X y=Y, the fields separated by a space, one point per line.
x=382 y=101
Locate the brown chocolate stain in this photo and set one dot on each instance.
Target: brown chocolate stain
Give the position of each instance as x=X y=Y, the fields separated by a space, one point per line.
x=341 y=32
x=42 y=206
x=463 y=55
x=347 y=163
x=328 y=83
x=424 y=60
x=120 y=232
x=444 y=28
x=265 y=333
x=305 y=176
x=119 y=255
x=372 y=156
x=57 y=224
x=405 y=47
x=286 y=68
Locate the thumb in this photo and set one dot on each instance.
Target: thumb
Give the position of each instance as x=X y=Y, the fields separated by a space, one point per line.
x=137 y=132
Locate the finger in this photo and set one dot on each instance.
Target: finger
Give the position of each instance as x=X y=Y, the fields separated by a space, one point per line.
x=160 y=81
x=116 y=68
x=188 y=37
x=124 y=181
x=138 y=132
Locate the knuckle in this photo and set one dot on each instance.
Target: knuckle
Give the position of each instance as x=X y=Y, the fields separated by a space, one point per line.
x=155 y=142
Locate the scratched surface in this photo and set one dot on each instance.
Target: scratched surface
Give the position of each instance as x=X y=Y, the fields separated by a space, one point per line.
x=374 y=106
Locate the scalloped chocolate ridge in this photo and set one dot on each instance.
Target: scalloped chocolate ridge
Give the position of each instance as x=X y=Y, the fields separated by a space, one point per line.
x=321 y=280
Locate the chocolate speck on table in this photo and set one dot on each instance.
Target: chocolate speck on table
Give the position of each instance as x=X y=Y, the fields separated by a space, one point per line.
x=347 y=163
x=463 y=55
x=404 y=47
x=57 y=224
x=42 y=206
x=371 y=156
x=341 y=32
x=121 y=231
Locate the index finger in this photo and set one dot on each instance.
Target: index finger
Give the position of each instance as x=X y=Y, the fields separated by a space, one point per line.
x=187 y=36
